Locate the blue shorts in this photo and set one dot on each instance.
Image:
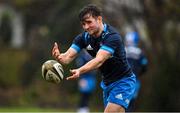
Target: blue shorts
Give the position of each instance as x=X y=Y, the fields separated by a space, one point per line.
x=137 y=88
x=119 y=92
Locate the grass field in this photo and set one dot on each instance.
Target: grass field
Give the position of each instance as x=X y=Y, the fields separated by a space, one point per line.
x=38 y=110
x=19 y=109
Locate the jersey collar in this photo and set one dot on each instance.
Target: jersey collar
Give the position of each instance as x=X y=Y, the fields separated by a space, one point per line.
x=105 y=27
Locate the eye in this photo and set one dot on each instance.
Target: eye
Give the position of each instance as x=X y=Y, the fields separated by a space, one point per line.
x=89 y=22
x=83 y=24
x=86 y=23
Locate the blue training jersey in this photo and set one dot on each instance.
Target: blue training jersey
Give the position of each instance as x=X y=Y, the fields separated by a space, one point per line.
x=110 y=40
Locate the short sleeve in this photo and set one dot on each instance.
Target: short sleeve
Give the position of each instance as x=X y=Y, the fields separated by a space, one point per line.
x=78 y=43
x=111 y=43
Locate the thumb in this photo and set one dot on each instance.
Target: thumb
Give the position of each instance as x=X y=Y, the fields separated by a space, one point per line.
x=71 y=76
x=71 y=70
x=55 y=44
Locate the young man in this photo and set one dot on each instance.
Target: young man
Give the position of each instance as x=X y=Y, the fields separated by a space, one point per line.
x=104 y=43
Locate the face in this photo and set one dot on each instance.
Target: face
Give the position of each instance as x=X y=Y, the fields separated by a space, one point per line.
x=92 y=25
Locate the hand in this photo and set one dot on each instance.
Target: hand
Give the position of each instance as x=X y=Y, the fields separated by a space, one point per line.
x=56 y=52
x=75 y=74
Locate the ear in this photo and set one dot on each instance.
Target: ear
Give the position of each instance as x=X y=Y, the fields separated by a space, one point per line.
x=99 y=18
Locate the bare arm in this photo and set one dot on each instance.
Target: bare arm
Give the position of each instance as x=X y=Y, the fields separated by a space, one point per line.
x=64 y=58
x=95 y=63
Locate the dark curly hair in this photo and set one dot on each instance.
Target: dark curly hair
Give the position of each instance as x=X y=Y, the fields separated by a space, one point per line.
x=91 y=9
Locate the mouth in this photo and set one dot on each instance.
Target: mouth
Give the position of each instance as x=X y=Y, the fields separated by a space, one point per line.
x=89 y=30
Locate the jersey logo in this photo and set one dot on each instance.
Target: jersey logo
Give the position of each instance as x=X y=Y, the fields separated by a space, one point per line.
x=89 y=47
x=119 y=96
x=127 y=101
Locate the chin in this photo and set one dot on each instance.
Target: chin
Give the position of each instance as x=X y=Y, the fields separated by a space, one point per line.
x=91 y=33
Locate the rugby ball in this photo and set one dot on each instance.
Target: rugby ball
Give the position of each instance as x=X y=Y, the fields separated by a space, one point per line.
x=52 y=71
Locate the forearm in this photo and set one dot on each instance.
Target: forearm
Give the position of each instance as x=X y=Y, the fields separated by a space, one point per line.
x=62 y=58
x=91 y=65
x=67 y=57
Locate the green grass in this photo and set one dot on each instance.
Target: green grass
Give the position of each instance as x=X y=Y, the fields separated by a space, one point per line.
x=19 y=109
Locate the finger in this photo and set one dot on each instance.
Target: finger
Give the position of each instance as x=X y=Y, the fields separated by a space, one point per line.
x=54 y=53
x=70 y=77
x=56 y=48
x=71 y=71
x=53 y=49
x=55 y=44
